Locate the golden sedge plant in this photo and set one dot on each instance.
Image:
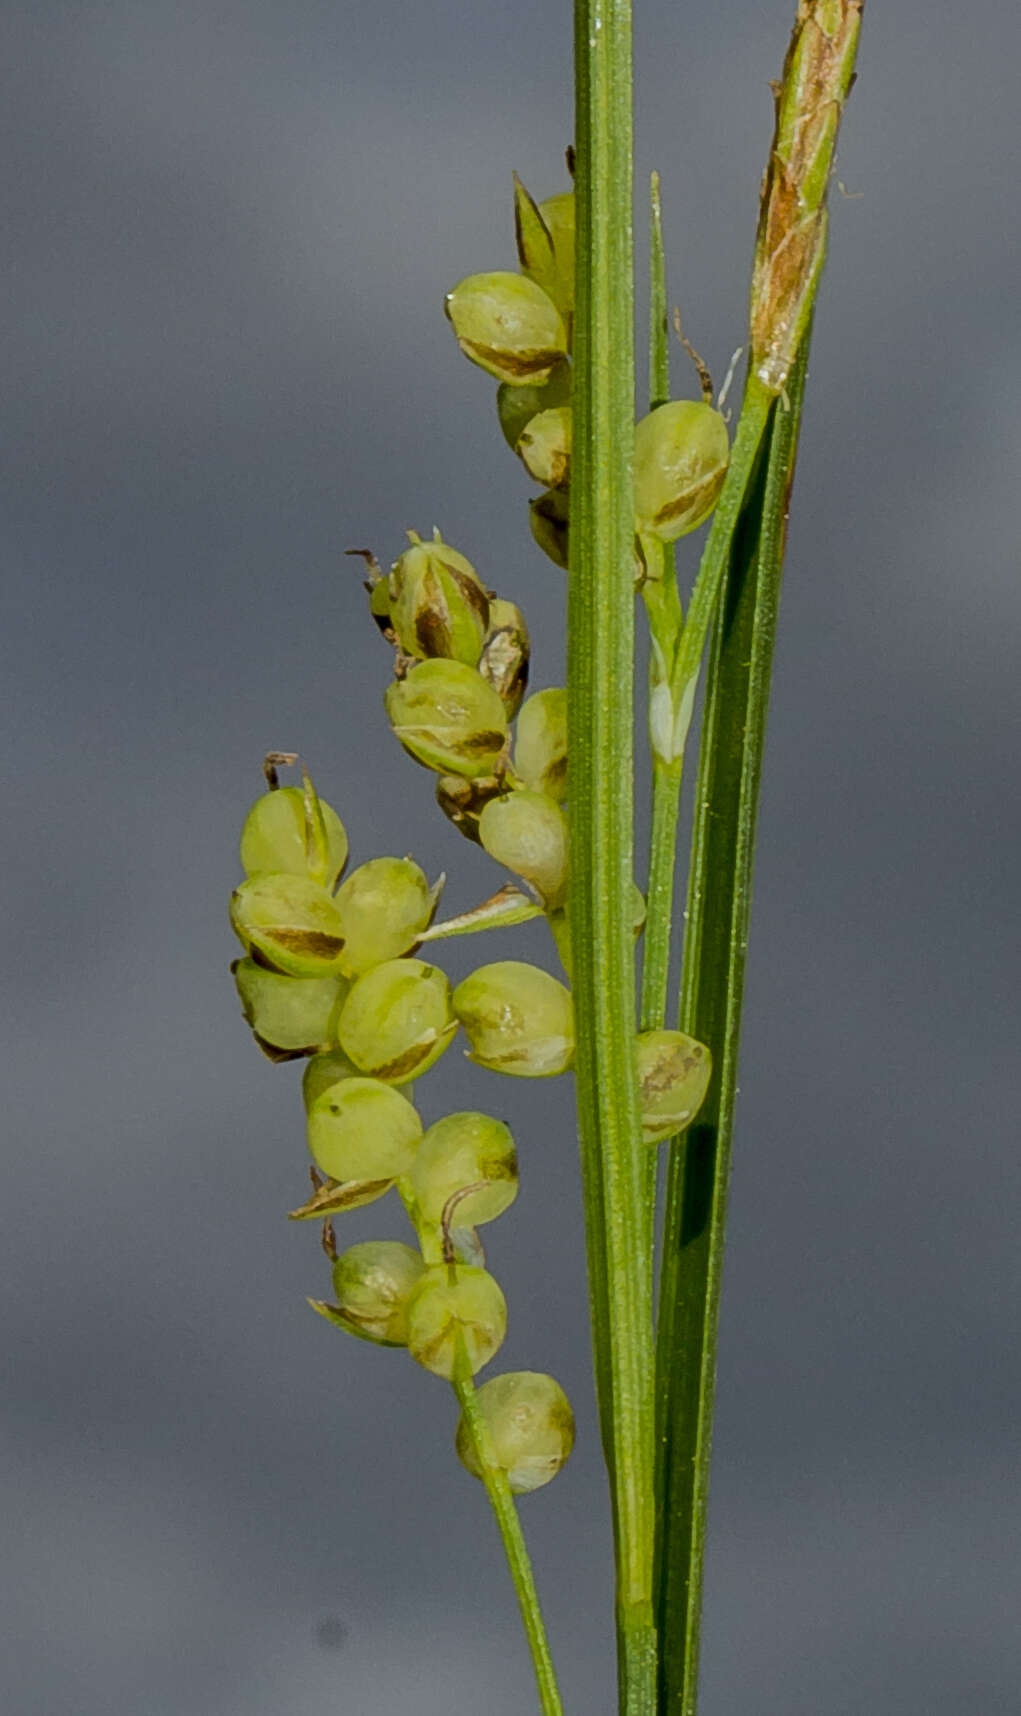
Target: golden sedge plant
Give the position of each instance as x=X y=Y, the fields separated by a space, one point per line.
x=339 y=970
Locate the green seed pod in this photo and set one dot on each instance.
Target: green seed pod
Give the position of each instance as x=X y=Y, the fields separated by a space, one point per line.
x=462 y=1151
x=457 y=1318
x=383 y=907
x=290 y=1016
x=503 y=663
x=548 y=517
x=558 y=214
x=531 y=1429
x=516 y=406
x=528 y=832
x=290 y=922
x=292 y=832
x=518 y=1019
x=508 y=326
x=673 y=1077
x=448 y=718
x=361 y=1129
x=397 y=1020
x=681 y=456
x=373 y=1282
x=544 y=447
x=464 y=801
x=322 y=1071
x=438 y=606
x=540 y=744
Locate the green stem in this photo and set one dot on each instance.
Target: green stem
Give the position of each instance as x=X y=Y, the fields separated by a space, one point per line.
x=600 y=689
x=502 y=1501
x=719 y=899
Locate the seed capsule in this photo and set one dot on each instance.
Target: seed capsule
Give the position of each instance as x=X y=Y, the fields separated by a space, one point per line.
x=293 y=832
x=438 y=606
x=673 y=1077
x=528 y=832
x=516 y=406
x=361 y=1129
x=681 y=456
x=508 y=326
x=291 y=922
x=448 y=718
x=548 y=517
x=503 y=663
x=518 y=1019
x=322 y=1071
x=465 y=1151
x=540 y=743
x=397 y=1020
x=457 y=1318
x=290 y=1016
x=544 y=447
x=373 y=1282
x=383 y=908
x=531 y=1429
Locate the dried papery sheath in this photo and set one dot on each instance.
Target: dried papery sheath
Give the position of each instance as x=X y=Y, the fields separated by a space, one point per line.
x=291 y=831
x=372 y=1283
x=448 y=718
x=383 y=906
x=470 y=1154
x=681 y=455
x=518 y=1019
x=528 y=832
x=540 y=742
x=531 y=1429
x=290 y=922
x=438 y=605
x=548 y=516
x=361 y=1129
x=516 y=406
x=397 y=1021
x=791 y=242
x=289 y=1016
x=505 y=656
x=455 y=1310
x=673 y=1076
x=463 y=801
x=507 y=325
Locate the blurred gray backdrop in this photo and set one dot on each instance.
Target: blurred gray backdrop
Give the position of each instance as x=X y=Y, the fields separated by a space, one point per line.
x=228 y=230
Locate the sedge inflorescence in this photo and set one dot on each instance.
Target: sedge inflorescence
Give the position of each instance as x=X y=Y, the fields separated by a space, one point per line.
x=338 y=966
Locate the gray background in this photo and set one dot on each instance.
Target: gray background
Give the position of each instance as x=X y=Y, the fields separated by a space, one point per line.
x=228 y=229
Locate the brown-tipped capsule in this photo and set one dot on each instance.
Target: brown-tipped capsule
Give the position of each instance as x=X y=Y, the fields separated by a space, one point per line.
x=527 y=832
x=373 y=1282
x=438 y=605
x=290 y=922
x=681 y=456
x=448 y=718
x=505 y=654
x=518 y=1019
x=290 y=1016
x=361 y=1129
x=530 y=1429
x=516 y=406
x=673 y=1076
x=457 y=1318
x=396 y=1021
x=508 y=326
x=548 y=517
x=544 y=447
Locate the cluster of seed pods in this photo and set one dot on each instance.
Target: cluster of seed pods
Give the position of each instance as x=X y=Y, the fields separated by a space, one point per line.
x=331 y=972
